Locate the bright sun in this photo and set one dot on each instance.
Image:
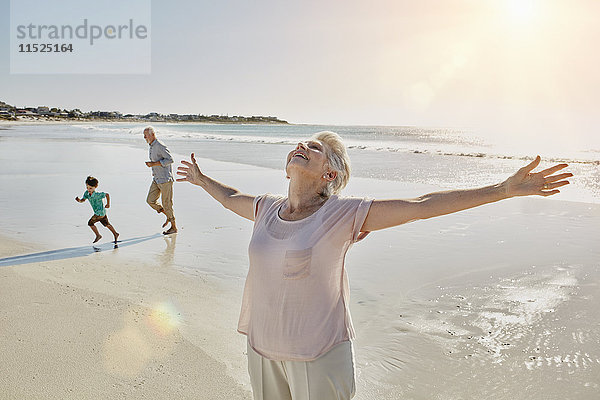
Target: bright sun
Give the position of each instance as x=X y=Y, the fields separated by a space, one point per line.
x=521 y=11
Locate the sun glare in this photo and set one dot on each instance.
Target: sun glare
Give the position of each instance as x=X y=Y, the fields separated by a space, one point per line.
x=521 y=11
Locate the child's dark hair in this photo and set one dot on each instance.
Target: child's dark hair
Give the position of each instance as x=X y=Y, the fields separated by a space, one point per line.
x=93 y=182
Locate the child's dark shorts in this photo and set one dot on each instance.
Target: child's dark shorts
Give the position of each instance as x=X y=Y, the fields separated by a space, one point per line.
x=96 y=218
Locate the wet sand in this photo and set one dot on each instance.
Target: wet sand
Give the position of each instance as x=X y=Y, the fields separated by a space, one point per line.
x=498 y=301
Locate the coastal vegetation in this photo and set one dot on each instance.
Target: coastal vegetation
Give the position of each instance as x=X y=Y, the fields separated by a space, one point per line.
x=45 y=113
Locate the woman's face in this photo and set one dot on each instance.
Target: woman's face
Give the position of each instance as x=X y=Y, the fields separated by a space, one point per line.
x=307 y=158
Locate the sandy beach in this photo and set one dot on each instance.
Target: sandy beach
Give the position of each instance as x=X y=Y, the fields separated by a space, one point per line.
x=64 y=337
x=495 y=302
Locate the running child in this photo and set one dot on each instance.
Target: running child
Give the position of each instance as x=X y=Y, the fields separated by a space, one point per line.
x=97 y=204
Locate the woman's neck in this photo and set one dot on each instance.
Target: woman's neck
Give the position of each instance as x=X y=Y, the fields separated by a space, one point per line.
x=303 y=199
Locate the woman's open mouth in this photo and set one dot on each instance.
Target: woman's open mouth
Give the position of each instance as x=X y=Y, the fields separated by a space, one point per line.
x=300 y=154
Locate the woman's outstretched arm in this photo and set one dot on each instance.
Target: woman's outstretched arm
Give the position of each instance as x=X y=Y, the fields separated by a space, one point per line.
x=230 y=198
x=387 y=213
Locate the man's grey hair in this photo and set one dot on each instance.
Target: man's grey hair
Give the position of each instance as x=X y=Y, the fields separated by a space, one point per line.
x=338 y=160
x=150 y=128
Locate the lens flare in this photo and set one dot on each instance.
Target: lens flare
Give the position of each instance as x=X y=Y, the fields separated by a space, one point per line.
x=126 y=352
x=164 y=318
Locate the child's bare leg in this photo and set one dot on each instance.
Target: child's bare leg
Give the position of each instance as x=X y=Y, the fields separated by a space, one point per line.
x=114 y=232
x=98 y=235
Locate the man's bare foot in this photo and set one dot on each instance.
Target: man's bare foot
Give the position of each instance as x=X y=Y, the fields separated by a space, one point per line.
x=171 y=230
x=97 y=238
x=116 y=237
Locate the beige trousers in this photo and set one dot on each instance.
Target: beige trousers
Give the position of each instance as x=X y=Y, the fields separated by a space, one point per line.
x=329 y=377
x=165 y=192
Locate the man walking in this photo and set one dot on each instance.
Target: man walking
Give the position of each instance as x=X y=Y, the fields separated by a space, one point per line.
x=162 y=179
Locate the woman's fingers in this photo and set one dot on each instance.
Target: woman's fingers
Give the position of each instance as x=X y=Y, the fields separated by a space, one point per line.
x=558 y=177
x=552 y=186
x=549 y=193
x=190 y=164
x=185 y=173
x=551 y=170
x=189 y=170
x=186 y=177
x=556 y=184
x=529 y=167
x=524 y=183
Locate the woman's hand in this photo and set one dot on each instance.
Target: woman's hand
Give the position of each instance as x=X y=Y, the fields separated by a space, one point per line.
x=525 y=183
x=190 y=172
x=231 y=198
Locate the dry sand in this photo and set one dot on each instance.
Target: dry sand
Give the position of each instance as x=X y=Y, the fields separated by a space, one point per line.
x=59 y=341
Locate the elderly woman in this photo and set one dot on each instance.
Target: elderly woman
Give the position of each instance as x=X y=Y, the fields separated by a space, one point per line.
x=295 y=307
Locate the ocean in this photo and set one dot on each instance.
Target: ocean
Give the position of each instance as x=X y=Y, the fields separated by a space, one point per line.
x=443 y=157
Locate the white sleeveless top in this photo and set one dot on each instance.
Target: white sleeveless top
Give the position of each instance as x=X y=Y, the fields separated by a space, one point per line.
x=295 y=304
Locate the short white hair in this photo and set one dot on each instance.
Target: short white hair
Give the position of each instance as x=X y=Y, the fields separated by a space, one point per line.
x=151 y=129
x=338 y=160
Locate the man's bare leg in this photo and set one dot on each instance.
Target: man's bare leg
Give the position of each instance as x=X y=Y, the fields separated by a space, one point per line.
x=172 y=229
x=162 y=210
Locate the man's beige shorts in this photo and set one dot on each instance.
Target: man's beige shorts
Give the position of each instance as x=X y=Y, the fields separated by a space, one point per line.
x=329 y=377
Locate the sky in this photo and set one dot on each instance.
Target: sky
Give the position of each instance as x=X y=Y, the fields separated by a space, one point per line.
x=516 y=69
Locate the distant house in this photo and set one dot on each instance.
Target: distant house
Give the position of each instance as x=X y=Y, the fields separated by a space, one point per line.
x=106 y=114
x=7 y=113
x=26 y=112
x=43 y=110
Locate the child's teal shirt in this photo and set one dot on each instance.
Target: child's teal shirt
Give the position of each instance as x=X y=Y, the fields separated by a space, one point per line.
x=96 y=202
